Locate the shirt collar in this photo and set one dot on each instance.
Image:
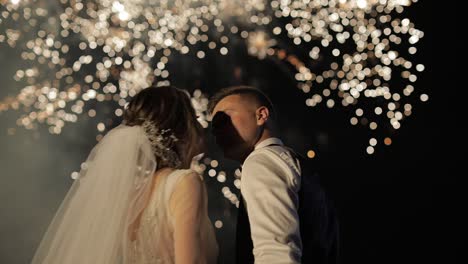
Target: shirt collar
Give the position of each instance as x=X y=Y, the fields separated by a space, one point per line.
x=268 y=142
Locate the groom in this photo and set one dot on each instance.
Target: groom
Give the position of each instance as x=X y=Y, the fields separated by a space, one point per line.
x=284 y=216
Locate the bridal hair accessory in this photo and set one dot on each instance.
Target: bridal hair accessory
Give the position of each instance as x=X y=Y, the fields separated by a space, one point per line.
x=162 y=142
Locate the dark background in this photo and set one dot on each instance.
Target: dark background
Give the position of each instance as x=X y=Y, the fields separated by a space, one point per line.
x=397 y=205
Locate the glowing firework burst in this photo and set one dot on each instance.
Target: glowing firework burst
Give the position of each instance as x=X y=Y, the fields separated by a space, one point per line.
x=76 y=55
x=361 y=45
x=128 y=44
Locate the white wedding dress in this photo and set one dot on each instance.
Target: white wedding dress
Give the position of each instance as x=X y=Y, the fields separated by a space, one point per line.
x=178 y=207
x=121 y=211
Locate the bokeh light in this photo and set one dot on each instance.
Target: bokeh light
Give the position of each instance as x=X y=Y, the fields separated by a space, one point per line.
x=78 y=55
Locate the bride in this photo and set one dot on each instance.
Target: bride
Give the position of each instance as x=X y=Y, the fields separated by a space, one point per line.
x=136 y=200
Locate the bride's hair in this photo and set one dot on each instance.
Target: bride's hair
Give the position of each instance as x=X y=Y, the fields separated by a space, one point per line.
x=169 y=108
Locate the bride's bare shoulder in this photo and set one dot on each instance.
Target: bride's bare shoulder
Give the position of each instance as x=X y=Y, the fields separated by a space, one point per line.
x=189 y=181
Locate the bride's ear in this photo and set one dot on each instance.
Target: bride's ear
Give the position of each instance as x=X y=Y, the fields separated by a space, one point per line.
x=263 y=114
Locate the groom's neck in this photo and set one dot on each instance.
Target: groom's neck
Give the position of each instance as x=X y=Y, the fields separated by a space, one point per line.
x=266 y=134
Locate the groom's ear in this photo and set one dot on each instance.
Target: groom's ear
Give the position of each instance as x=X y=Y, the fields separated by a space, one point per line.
x=262 y=114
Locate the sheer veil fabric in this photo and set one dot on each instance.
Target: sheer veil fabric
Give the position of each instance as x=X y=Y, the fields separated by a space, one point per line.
x=92 y=223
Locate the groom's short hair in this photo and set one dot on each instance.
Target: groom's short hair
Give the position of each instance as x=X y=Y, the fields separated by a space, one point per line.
x=248 y=91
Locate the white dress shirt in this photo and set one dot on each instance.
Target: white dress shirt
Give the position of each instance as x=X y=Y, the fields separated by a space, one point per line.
x=270 y=183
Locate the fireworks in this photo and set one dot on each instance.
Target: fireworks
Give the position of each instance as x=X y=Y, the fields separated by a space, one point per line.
x=107 y=50
x=78 y=55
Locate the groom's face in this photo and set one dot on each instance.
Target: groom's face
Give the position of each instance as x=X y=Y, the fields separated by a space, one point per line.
x=235 y=126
